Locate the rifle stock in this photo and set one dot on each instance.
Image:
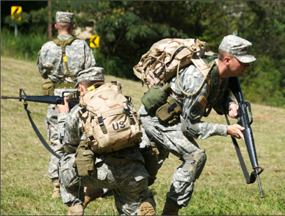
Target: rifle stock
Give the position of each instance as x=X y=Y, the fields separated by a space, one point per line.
x=245 y=120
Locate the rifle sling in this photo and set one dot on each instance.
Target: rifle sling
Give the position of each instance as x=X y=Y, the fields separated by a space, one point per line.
x=249 y=179
x=38 y=133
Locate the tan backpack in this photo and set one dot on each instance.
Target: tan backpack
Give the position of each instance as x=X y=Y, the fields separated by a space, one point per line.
x=167 y=56
x=109 y=119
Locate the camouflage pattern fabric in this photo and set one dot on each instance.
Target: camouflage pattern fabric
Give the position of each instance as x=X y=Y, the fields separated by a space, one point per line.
x=91 y=74
x=51 y=65
x=50 y=60
x=178 y=139
x=64 y=17
x=238 y=47
x=128 y=182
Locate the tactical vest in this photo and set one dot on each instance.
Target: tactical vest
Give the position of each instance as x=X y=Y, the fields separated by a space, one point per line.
x=48 y=86
x=63 y=44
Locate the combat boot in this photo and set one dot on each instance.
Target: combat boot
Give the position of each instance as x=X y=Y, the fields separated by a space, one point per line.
x=146 y=209
x=91 y=194
x=170 y=209
x=56 y=190
x=75 y=210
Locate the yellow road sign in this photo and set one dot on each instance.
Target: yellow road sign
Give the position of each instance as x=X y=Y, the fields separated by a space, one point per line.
x=94 y=41
x=16 y=10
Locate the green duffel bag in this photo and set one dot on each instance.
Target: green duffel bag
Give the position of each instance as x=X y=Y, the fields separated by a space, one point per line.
x=155 y=97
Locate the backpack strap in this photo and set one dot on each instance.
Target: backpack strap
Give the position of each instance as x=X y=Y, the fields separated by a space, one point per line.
x=203 y=68
x=63 y=44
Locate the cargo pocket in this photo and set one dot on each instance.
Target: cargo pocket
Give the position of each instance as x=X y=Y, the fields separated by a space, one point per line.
x=68 y=176
x=140 y=174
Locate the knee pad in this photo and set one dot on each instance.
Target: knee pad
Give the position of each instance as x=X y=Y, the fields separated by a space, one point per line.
x=195 y=163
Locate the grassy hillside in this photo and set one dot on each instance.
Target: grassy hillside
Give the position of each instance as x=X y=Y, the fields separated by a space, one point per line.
x=220 y=190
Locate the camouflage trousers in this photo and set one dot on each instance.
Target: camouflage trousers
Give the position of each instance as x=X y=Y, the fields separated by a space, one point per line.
x=128 y=184
x=52 y=135
x=170 y=139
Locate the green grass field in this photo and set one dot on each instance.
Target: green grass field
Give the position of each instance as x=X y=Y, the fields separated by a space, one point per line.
x=221 y=189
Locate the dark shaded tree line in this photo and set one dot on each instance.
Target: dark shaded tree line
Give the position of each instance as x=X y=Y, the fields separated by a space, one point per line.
x=127 y=29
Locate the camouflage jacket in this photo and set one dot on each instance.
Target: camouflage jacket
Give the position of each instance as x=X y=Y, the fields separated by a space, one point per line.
x=50 y=59
x=193 y=107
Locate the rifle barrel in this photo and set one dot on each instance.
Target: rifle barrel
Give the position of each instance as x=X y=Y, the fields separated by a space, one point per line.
x=7 y=97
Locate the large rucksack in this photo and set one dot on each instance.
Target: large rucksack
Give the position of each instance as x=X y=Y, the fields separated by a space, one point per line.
x=160 y=64
x=167 y=56
x=109 y=119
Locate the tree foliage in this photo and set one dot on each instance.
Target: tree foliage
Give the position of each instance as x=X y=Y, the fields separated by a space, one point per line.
x=127 y=29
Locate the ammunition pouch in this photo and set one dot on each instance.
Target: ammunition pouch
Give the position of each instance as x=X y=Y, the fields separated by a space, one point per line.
x=84 y=160
x=49 y=87
x=150 y=155
x=169 y=112
x=155 y=97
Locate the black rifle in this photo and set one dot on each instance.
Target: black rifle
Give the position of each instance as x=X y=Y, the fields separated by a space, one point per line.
x=48 y=99
x=243 y=120
x=73 y=99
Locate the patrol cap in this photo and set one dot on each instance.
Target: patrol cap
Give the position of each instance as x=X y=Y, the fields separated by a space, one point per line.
x=90 y=74
x=64 y=17
x=238 y=47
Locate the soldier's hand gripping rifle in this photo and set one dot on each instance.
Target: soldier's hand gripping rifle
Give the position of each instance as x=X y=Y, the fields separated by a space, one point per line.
x=245 y=121
x=72 y=99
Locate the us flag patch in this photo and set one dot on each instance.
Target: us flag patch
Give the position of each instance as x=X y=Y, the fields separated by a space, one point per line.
x=203 y=101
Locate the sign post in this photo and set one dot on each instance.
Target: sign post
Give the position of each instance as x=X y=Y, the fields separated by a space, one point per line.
x=16 y=10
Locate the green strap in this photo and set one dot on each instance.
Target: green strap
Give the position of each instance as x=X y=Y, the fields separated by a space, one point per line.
x=215 y=76
x=63 y=44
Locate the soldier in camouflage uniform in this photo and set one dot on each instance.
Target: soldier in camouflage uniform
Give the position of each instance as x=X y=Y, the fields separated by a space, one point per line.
x=122 y=171
x=179 y=138
x=52 y=66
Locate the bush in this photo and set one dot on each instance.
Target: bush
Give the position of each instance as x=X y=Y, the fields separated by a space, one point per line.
x=25 y=47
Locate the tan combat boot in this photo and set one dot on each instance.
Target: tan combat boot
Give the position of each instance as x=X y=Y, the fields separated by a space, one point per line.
x=75 y=210
x=56 y=190
x=146 y=209
x=170 y=209
x=91 y=194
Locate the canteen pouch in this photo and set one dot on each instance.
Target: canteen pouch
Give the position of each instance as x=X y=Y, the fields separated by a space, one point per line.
x=84 y=160
x=48 y=88
x=155 y=97
x=169 y=112
x=150 y=155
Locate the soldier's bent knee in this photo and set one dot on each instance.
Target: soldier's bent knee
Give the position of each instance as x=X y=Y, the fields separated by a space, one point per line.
x=195 y=163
